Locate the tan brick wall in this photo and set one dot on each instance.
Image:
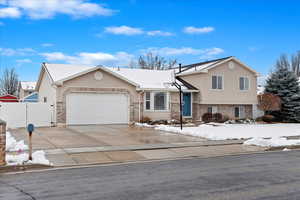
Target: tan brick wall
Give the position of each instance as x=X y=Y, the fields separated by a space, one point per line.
x=2 y=142
x=226 y=110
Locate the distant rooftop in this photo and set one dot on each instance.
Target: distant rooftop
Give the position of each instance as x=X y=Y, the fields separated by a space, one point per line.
x=27 y=85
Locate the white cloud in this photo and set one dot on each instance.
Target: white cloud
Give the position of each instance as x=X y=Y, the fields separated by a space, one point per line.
x=168 y=51
x=159 y=33
x=10 y=12
x=124 y=30
x=127 y=30
x=26 y=60
x=88 y=58
x=210 y=53
x=196 y=30
x=46 y=45
x=45 y=9
x=16 y=52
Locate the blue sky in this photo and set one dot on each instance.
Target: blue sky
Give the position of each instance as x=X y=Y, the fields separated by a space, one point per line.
x=117 y=31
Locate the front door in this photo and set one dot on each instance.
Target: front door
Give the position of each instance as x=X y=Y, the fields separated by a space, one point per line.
x=187 y=105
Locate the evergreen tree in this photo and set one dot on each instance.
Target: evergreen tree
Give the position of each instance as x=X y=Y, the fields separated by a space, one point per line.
x=284 y=83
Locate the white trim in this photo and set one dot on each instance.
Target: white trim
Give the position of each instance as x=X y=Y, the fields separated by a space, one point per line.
x=240 y=107
x=213 y=111
x=165 y=90
x=167 y=103
x=101 y=92
x=249 y=83
x=217 y=82
x=205 y=70
x=60 y=82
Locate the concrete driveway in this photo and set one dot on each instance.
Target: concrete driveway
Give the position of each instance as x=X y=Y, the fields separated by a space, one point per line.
x=97 y=136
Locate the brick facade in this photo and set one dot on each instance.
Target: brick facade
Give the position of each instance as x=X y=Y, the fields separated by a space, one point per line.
x=2 y=142
x=226 y=110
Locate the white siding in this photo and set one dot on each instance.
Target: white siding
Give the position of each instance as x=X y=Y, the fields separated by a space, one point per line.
x=48 y=91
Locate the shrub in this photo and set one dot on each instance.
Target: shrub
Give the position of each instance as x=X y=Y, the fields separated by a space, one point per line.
x=217 y=117
x=225 y=118
x=145 y=120
x=268 y=118
x=207 y=117
x=259 y=119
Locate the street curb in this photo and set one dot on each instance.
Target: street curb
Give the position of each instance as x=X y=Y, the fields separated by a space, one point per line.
x=143 y=147
x=283 y=147
x=19 y=168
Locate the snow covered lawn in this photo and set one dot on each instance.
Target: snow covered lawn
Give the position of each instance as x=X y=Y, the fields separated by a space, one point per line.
x=19 y=157
x=258 y=134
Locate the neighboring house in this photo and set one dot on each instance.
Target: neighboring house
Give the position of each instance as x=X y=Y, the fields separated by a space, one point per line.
x=26 y=88
x=103 y=95
x=8 y=98
x=31 y=98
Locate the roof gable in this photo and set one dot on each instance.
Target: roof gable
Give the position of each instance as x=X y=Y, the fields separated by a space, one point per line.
x=205 y=66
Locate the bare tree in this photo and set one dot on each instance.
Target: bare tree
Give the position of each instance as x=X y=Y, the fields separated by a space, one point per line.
x=283 y=62
x=155 y=62
x=269 y=102
x=9 y=82
x=292 y=64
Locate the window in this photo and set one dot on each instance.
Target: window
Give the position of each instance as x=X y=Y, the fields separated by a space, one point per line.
x=160 y=101
x=147 y=101
x=239 y=112
x=217 y=82
x=45 y=99
x=244 y=83
x=212 y=109
x=156 y=101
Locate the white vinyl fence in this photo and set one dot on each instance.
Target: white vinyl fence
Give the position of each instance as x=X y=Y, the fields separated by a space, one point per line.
x=19 y=115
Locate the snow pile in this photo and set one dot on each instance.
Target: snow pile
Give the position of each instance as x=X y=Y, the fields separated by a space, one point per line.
x=273 y=142
x=38 y=157
x=144 y=125
x=286 y=149
x=235 y=131
x=13 y=145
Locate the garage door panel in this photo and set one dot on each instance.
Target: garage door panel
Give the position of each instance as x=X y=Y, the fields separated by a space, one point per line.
x=89 y=108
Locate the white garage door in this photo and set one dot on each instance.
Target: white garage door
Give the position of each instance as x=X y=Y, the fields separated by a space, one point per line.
x=91 y=108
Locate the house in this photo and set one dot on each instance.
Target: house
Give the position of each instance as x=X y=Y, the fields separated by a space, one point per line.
x=8 y=98
x=26 y=88
x=31 y=98
x=104 y=95
x=225 y=86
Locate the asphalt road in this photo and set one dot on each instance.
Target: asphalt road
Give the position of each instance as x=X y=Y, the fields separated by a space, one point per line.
x=273 y=176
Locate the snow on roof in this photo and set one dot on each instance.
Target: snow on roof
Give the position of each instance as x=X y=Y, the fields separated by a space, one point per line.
x=62 y=71
x=146 y=78
x=154 y=79
x=200 y=66
x=26 y=85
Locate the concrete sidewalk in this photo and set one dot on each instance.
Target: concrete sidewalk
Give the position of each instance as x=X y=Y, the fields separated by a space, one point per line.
x=88 y=157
